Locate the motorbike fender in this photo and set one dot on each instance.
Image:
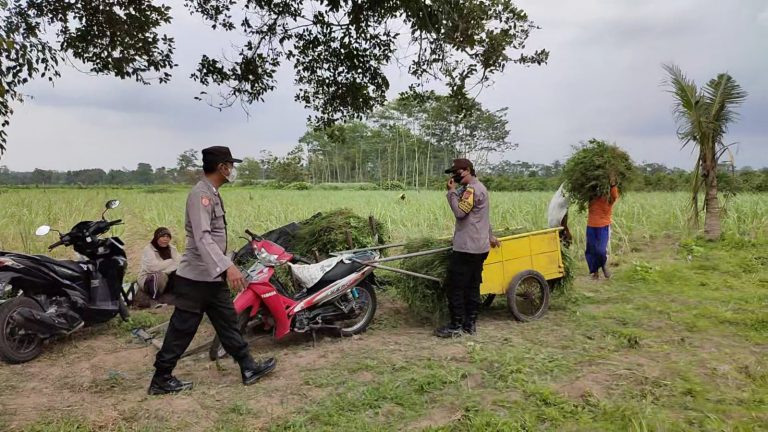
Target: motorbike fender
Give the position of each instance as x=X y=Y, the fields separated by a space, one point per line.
x=247 y=298
x=278 y=307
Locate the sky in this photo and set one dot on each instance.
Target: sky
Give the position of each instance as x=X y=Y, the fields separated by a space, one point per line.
x=603 y=80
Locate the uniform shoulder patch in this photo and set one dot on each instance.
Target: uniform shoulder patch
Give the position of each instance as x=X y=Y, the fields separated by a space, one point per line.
x=467 y=201
x=205 y=200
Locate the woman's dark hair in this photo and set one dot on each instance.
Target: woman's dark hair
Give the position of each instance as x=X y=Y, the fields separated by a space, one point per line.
x=164 y=252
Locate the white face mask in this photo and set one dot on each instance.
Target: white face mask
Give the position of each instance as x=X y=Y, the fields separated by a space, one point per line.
x=232 y=175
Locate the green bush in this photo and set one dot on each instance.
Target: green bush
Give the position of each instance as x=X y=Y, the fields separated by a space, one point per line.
x=298 y=186
x=393 y=186
x=367 y=186
x=329 y=186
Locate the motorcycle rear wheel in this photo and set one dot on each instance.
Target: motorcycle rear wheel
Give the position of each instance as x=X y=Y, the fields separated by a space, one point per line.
x=15 y=347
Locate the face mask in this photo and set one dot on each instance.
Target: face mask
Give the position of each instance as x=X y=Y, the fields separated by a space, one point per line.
x=232 y=175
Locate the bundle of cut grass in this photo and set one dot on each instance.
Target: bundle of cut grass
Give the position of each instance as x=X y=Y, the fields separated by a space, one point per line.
x=336 y=230
x=423 y=296
x=561 y=286
x=587 y=173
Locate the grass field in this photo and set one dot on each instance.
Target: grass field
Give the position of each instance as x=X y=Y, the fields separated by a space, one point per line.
x=640 y=216
x=676 y=341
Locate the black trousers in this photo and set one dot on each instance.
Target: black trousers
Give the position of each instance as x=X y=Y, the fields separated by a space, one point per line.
x=465 y=274
x=196 y=298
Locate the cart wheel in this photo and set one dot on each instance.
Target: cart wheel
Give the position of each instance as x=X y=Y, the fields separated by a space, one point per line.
x=528 y=296
x=487 y=300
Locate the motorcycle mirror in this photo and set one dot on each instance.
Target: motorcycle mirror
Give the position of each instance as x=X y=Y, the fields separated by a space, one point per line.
x=111 y=204
x=43 y=230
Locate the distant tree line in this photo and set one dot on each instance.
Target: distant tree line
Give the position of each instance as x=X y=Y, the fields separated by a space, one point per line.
x=288 y=171
x=405 y=144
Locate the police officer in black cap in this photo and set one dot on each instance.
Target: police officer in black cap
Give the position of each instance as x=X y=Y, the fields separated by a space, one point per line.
x=202 y=278
x=472 y=240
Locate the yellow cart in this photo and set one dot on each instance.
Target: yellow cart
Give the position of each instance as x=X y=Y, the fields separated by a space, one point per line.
x=520 y=268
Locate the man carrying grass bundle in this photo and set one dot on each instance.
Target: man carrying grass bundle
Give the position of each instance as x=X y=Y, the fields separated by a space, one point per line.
x=593 y=177
x=599 y=231
x=472 y=240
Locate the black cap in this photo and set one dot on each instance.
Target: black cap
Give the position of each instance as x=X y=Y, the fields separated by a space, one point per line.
x=218 y=154
x=459 y=164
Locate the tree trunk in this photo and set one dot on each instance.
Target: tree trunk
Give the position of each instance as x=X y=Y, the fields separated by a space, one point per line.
x=712 y=228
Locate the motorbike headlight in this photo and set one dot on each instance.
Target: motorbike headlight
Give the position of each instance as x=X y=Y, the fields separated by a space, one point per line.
x=267 y=258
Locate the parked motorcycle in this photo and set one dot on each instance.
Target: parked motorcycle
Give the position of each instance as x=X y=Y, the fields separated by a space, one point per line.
x=335 y=294
x=48 y=298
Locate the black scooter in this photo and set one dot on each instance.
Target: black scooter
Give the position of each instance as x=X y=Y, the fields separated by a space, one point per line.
x=46 y=298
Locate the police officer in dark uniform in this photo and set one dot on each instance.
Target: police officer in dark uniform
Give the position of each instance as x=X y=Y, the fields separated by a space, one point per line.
x=472 y=240
x=202 y=278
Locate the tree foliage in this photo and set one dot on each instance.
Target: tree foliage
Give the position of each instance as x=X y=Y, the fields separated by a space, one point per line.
x=115 y=37
x=338 y=48
x=410 y=140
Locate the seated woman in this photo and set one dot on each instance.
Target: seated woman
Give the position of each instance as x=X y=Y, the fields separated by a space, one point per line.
x=158 y=261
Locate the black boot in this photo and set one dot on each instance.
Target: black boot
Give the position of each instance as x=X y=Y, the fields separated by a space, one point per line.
x=252 y=371
x=469 y=327
x=470 y=319
x=165 y=383
x=450 y=330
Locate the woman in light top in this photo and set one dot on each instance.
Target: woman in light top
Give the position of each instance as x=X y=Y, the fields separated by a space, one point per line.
x=158 y=261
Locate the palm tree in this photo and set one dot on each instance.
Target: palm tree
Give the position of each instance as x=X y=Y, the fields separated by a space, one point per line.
x=702 y=115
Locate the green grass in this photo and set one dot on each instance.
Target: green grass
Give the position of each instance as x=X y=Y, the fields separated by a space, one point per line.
x=639 y=216
x=669 y=356
x=676 y=341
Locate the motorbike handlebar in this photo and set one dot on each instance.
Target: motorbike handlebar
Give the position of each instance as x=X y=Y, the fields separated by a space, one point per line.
x=116 y=222
x=253 y=236
x=55 y=245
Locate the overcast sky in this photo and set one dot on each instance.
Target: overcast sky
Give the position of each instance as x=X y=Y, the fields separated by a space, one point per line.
x=603 y=80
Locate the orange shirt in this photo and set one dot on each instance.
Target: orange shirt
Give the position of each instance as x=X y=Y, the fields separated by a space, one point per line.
x=600 y=210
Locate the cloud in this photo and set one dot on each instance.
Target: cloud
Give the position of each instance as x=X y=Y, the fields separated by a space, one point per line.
x=762 y=18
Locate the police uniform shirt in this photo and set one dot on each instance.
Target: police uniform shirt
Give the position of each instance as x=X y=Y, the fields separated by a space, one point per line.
x=471 y=206
x=205 y=257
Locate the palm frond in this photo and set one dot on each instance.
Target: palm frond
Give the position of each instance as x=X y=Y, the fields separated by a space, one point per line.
x=688 y=108
x=723 y=94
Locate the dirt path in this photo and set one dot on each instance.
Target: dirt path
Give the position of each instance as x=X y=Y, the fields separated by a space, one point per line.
x=103 y=376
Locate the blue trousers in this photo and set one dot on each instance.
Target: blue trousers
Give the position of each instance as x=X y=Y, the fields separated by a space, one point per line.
x=597 y=245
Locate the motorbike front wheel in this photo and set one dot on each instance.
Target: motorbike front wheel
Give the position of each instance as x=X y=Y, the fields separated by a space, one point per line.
x=16 y=345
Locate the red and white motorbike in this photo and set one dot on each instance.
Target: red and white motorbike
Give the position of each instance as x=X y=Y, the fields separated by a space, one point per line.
x=337 y=293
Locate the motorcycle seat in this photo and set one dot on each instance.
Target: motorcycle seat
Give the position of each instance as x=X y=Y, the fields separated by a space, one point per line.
x=66 y=269
x=339 y=271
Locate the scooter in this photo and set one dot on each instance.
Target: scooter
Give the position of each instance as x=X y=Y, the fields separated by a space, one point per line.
x=336 y=294
x=47 y=298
